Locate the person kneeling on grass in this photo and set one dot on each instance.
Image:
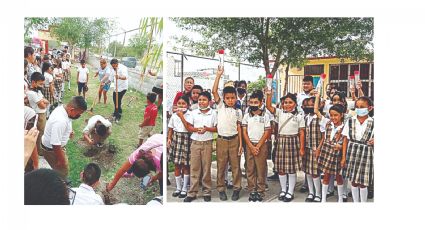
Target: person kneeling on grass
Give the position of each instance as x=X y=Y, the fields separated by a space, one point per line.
x=85 y=194
x=146 y=158
x=97 y=130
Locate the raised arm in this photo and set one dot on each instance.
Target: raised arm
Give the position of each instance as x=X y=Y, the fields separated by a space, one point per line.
x=220 y=71
x=124 y=168
x=269 y=102
x=316 y=106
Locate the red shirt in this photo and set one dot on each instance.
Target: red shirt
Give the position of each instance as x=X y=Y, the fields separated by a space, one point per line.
x=178 y=95
x=151 y=111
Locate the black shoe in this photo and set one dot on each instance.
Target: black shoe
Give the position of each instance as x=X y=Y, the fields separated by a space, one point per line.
x=223 y=196
x=235 y=195
x=183 y=194
x=370 y=194
x=274 y=177
x=189 y=199
x=317 y=199
x=310 y=198
x=176 y=193
x=282 y=195
x=330 y=194
x=259 y=197
x=207 y=198
x=99 y=145
x=303 y=189
x=286 y=199
x=252 y=197
x=350 y=194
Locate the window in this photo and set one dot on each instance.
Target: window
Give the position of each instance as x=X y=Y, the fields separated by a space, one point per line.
x=313 y=70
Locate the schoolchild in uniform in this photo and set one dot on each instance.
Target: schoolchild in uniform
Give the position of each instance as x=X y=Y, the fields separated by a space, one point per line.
x=179 y=144
x=194 y=95
x=357 y=149
x=291 y=143
x=229 y=141
x=256 y=130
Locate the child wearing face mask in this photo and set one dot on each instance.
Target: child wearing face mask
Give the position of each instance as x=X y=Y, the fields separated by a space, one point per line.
x=357 y=149
x=291 y=143
x=178 y=143
x=313 y=118
x=256 y=130
x=202 y=123
x=329 y=151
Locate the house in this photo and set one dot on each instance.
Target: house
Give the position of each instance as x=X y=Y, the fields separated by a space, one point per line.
x=337 y=71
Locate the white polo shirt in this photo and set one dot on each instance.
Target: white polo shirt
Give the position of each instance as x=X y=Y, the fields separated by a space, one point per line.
x=34 y=98
x=121 y=71
x=92 y=122
x=228 y=117
x=199 y=120
x=58 y=128
x=48 y=78
x=85 y=195
x=360 y=128
x=83 y=74
x=300 y=98
x=176 y=123
x=256 y=125
x=294 y=124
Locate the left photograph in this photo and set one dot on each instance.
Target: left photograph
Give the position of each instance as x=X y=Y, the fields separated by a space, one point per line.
x=93 y=120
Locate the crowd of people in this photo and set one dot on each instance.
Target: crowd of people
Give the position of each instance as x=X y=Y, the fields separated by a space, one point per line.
x=325 y=136
x=48 y=128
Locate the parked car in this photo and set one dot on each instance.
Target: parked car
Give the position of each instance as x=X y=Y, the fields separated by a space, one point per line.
x=130 y=62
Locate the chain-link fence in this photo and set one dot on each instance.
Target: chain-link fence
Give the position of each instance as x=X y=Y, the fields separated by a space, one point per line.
x=203 y=70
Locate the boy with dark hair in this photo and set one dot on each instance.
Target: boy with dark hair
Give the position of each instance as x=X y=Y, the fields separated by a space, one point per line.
x=194 y=95
x=97 y=130
x=229 y=141
x=149 y=118
x=85 y=194
x=29 y=55
x=256 y=130
x=82 y=78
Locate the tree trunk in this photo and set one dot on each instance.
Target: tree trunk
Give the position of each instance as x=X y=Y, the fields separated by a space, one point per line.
x=285 y=88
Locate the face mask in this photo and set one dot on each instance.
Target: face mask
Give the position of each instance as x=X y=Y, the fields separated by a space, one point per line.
x=362 y=112
x=241 y=90
x=203 y=109
x=253 y=108
x=39 y=88
x=182 y=109
x=308 y=110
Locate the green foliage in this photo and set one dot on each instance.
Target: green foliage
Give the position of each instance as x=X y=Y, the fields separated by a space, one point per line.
x=152 y=28
x=31 y=24
x=260 y=84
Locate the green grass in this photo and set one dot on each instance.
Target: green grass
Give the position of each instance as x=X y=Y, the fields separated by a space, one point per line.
x=124 y=134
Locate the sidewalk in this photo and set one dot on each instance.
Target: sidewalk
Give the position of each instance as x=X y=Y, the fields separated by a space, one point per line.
x=271 y=195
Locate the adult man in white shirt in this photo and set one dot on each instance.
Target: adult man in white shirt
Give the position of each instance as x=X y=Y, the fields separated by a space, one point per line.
x=85 y=194
x=97 y=130
x=57 y=132
x=120 y=77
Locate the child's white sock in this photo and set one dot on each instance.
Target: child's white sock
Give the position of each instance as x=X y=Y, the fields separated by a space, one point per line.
x=179 y=183
x=283 y=180
x=316 y=182
x=185 y=183
x=310 y=184
x=363 y=194
x=292 y=179
x=355 y=193
x=324 y=191
x=340 y=193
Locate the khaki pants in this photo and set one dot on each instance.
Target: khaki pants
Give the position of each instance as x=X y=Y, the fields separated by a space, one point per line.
x=227 y=151
x=99 y=139
x=145 y=132
x=200 y=161
x=41 y=124
x=256 y=171
x=51 y=158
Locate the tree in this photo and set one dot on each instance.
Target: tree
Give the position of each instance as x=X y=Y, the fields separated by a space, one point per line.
x=152 y=28
x=31 y=24
x=287 y=41
x=68 y=30
x=259 y=84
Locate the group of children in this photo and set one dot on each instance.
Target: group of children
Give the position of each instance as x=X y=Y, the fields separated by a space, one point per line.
x=323 y=139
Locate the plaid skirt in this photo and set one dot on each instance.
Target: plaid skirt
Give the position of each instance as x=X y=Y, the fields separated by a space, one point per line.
x=329 y=160
x=46 y=93
x=58 y=84
x=180 y=148
x=359 y=163
x=288 y=159
x=66 y=75
x=310 y=162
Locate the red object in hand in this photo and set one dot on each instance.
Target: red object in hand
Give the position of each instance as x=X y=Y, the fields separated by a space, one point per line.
x=221 y=51
x=356 y=72
x=351 y=77
x=323 y=76
x=269 y=76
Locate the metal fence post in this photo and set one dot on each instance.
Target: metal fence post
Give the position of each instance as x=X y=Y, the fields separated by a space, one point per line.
x=182 y=83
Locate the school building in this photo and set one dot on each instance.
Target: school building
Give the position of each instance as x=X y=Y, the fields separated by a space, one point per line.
x=337 y=71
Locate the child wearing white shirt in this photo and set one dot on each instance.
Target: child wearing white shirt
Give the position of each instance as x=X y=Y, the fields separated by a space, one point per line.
x=85 y=194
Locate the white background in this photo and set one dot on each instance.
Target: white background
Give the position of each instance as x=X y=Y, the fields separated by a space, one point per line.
x=399 y=152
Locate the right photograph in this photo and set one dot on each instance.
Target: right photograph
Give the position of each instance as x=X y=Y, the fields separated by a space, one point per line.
x=270 y=109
